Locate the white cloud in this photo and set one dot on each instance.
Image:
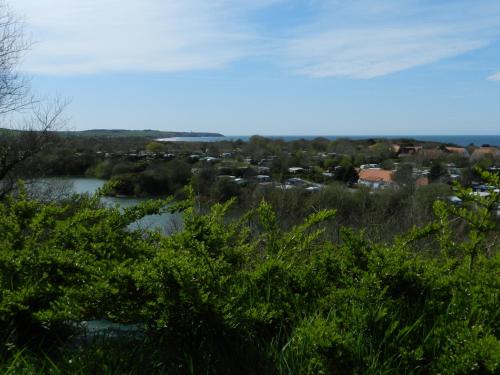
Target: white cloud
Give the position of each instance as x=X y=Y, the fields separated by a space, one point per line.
x=371 y=38
x=494 y=77
x=338 y=38
x=92 y=36
x=373 y=52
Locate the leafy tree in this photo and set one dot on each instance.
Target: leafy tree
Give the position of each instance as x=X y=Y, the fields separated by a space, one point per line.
x=104 y=169
x=387 y=164
x=436 y=172
x=347 y=175
x=404 y=175
x=156 y=147
x=320 y=144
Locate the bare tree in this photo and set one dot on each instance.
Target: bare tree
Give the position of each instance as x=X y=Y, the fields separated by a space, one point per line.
x=14 y=87
x=35 y=120
x=27 y=140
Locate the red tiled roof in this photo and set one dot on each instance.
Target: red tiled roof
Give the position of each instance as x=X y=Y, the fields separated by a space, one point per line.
x=483 y=151
x=486 y=150
x=375 y=175
x=456 y=150
x=432 y=153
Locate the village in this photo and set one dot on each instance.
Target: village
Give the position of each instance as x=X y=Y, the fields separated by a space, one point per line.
x=373 y=164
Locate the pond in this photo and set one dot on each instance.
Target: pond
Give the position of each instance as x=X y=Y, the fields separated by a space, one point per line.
x=167 y=223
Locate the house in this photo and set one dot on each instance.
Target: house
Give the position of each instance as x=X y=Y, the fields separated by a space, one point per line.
x=263 y=170
x=209 y=159
x=453 y=172
x=240 y=181
x=313 y=189
x=431 y=153
x=369 y=166
x=395 y=148
x=409 y=150
x=460 y=151
x=375 y=178
x=485 y=151
x=295 y=170
x=485 y=189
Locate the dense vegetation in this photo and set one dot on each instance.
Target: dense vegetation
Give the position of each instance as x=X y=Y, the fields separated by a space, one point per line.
x=124 y=133
x=246 y=295
x=335 y=281
x=148 y=168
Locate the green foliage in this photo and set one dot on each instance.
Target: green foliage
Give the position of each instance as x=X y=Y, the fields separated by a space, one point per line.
x=437 y=171
x=64 y=262
x=345 y=174
x=155 y=179
x=246 y=296
x=156 y=147
x=104 y=169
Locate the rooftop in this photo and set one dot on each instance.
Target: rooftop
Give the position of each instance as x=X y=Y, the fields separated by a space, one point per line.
x=375 y=175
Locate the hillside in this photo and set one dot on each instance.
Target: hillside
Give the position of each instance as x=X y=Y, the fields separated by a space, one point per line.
x=122 y=133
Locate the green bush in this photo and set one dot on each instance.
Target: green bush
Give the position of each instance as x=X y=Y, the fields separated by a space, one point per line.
x=246 y=296
x=103 y=170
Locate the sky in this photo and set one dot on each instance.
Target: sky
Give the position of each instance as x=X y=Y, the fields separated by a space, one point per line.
x=270 y=67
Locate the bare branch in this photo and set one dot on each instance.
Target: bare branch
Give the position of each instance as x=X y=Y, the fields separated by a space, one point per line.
x=21 y=144
x=14 y=87
x=42 y=118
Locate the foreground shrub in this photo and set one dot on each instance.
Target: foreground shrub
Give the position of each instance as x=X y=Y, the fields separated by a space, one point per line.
x=244 y=296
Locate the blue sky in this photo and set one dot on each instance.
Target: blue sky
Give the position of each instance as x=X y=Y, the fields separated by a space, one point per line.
x=270 y=66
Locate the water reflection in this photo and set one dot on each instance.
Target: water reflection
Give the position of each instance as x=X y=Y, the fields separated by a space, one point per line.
x=55 y=188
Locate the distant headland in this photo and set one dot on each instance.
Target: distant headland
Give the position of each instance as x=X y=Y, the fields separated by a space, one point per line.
x=123 y=133
x=119 y=133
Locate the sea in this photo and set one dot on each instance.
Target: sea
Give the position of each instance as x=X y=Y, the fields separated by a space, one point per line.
x=460 y=140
